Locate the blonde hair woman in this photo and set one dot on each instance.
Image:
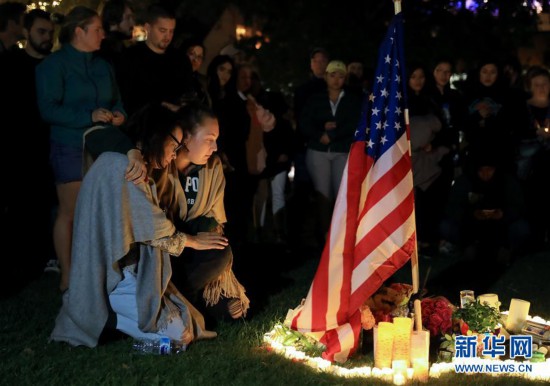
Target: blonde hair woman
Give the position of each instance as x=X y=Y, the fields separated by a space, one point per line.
x=76 y=90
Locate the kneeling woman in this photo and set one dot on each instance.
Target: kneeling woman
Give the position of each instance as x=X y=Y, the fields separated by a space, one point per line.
x=203 y=273
x=122 y=245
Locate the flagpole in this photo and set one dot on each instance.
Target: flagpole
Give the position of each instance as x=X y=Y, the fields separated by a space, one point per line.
x=414 y=257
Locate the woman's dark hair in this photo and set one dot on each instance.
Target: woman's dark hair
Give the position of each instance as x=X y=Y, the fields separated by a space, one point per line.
x=442 y=59
x=214 y=88
x=149 y=127
x=192 y=115
x=79 y=16
x=420 y=104
x=413 y=66
x=186 y=44
x=113 y=12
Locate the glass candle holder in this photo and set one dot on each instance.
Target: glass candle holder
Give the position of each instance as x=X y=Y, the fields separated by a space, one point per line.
x=466 y=297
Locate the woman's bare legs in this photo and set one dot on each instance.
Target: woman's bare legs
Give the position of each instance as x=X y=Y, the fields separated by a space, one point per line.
x=63 y=228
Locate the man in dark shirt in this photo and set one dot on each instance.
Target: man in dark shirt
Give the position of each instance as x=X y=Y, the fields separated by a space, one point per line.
x=303 y=187
x=318 y=63
x=38 y=32
x=152 y=71
x=11 y=25
x=118 y=22
x=31 y=204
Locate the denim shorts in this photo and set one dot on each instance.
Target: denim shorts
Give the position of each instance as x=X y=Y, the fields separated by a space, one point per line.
x=66 y=162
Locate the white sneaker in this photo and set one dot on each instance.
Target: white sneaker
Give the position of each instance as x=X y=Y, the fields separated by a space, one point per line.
x=52 y=266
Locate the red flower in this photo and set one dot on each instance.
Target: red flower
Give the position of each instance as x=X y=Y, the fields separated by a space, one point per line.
x=437 y=315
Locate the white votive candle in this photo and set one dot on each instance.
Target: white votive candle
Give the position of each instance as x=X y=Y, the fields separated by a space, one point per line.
x=399 y=368
x=519 y=309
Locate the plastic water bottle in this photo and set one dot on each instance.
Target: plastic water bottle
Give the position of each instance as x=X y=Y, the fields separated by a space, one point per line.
x=159 y=346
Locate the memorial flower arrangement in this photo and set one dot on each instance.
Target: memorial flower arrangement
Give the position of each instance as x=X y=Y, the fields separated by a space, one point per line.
x=473 y=319
x=437 y=315
x=477 y=318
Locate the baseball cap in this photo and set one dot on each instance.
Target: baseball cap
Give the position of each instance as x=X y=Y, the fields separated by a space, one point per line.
x=336 y=66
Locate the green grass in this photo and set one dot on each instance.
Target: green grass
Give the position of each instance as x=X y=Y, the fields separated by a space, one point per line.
x=236 y=357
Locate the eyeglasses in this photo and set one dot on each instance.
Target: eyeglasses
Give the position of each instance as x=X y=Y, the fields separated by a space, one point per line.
x=180 y=144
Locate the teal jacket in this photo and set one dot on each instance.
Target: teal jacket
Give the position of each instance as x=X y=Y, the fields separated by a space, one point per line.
x=70 y=84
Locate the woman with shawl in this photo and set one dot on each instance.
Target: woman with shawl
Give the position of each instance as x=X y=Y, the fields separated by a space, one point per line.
x=120 y=275
x=204 y=273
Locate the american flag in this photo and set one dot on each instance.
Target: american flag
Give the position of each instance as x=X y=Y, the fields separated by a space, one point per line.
x=372 y=231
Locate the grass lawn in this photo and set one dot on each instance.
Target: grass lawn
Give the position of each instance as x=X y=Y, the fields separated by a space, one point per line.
x=237 y=356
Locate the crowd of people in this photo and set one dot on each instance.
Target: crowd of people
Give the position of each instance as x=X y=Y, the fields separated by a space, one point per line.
x=156 y=175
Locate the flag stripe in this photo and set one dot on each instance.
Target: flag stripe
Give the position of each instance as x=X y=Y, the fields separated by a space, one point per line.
x=385 y=214
x=392 y=263
x=385 y=232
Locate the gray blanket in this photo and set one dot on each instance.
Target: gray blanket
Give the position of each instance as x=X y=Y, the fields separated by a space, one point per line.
x=111 y=215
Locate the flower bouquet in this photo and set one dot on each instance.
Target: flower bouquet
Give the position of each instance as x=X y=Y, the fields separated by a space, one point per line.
x=478 y=319
x=286 y=336
x=437 y=313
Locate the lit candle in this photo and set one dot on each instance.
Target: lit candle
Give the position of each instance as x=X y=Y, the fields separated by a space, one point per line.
x=383 y=344
x=519 y=309
x=399 y=368
x=421 y=369
x=399 y=379
x=420 y=354
x=402 y=339
x=490 y=300
x=420 y=347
